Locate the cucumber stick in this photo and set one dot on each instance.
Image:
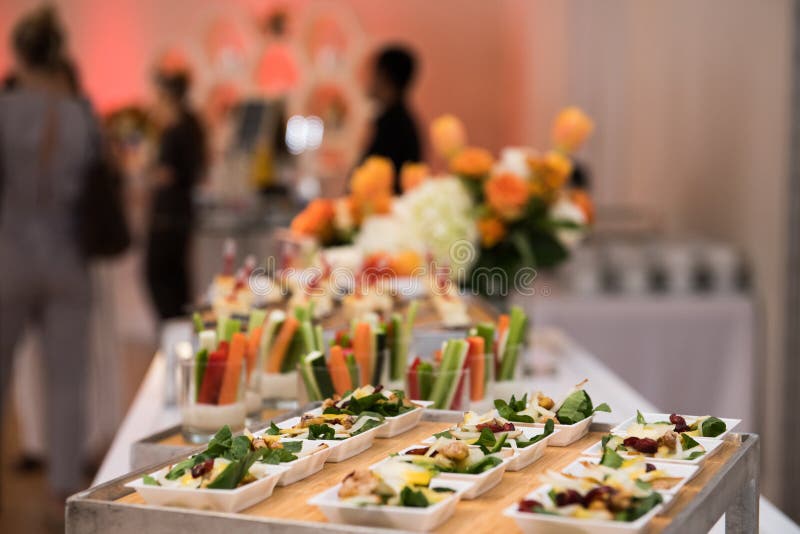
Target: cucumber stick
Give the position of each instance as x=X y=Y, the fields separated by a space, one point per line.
x=401 y=334
x=207 y=339
x=307 y=334
x=257 y=318
x=318 y=338
x=425 y=380
x=201 y=362
x=316 y=376
x=516 y=331
x=230 y=327
x=487 y=331
x=352 y=369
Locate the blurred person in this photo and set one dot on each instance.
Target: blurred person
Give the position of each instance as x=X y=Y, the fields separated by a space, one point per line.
x=394 y=131
x=180 y=164
x=47 y=143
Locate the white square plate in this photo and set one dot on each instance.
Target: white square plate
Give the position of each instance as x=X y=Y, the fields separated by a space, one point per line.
x=710 y=445
x=394 y=426
x=551 y=524
x=220 y=500
x=684 y=472
x=730 y=424
x=399 y=517
x=523 y=457
x=341 y=449
x=567 y=433
x=314 y=456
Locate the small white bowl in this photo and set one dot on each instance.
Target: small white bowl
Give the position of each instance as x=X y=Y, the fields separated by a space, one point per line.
x=220 y=500
x=525 y=456
x=682 y=471
x=305 y=466
x=710 y=445
x=394 y=426
x=399 y=517
x=567 y=434
x=480 y=483
x=730 y=424
x=341 y=449
x=546 y=523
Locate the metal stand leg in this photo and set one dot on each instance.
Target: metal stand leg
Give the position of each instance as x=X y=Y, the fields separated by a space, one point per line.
x=742 y=515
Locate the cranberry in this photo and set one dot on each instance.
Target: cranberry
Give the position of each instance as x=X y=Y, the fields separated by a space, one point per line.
x=529 y=505
x=643 y=445
x=649 y=467
x=496 y=427
x=565 y=498
x=679 y=422
x=418 y=452
x=202 y=468
x=600 y=493
x=378 y=388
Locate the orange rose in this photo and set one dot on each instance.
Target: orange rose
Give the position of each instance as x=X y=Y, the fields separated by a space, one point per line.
x=373 y=177
x=316 y=220
x=472 y=162
x=571 y=128
x=491 y=230
x=582 y=199
x=507 y=195
x=405 y=263
x=448 y=135
x=413 y=174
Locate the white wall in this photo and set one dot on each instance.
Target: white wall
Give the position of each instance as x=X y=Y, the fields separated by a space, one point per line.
x=692 y=105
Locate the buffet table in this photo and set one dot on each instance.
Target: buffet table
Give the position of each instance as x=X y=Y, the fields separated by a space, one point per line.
x=149 y=415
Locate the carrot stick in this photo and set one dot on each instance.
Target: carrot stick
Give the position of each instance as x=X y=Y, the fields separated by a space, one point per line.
x=476 y=357
x=437 y=355
x=252 y=348
x=233 y=369
x=338 y=369
x=503 y=323
x=281 y=345
x=362 y=350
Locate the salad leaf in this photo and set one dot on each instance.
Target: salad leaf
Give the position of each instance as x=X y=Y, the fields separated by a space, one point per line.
x=688 y=442
x=413 y=498
x=370 y=424
x=293 y=446
x=577 y=407
x=695 y=454
x=486 y=463
x=604 y=440
x=150 y=481
x=239 y=448
x=275 y=456
x=639 y=507
x=640 y=418
x=444 y=434
x=179 y=469
x=549 y=427
x=611 y=459
x=602 y=407
x=321 y=432
x=712 y=427
x=235 y=471
x=273 y=430
x=507 y=410
x=220 y=443
x=486 y=440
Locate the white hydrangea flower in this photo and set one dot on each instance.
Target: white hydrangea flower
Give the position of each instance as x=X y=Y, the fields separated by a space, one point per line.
x=566 y=210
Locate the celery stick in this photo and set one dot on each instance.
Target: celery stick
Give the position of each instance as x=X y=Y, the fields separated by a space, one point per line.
x=201 y=362
x=318 y=338
x=301 y=313
x=425 y=380
x=352 y=369
x=307 y=334
x=197 y=321
x=487 y=331
x=516 y=330
x=458 y=356
x=307 y=372
x=231 y=327
x=207 y=339
x=256 y=319
x=445 y=385
x=271 y=328
x=396 y=346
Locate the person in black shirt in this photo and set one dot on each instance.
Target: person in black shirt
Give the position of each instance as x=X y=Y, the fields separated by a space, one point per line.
x=394 y=133
x=180 y=165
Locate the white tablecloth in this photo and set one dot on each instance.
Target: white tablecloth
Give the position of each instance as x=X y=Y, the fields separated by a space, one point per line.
x=688 y=354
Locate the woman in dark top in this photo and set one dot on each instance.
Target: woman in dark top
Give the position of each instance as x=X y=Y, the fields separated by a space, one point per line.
x=180 y=165
x=394 y=132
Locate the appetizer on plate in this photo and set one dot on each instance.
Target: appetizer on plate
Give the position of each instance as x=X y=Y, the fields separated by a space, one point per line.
x=454 y=456
x=705 y=426
x=227 y=463
x=574 y=407
x=488 y=429
x=611 y=466
x=393 y=483
x=654 y=443
x=616 y=498
x=374 y=399
x=328 y=426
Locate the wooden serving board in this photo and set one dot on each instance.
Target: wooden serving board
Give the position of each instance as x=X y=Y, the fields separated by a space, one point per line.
x=483 y=514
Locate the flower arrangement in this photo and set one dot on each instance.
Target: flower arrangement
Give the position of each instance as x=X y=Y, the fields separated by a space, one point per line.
x=526 y=214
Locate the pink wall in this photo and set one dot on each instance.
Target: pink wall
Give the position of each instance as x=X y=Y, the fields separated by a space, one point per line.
x=462 y=46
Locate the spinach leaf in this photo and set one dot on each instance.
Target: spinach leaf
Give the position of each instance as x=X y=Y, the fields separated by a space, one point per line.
x=220 y=443
x=443 y=490
x=548 y=429
x=506 y=411
x=333 y=410
x=640 y=506
x=273 y=430
x=293 y=446
x=239 y=448
x=179 y=469
x=602 y=407
x=150 y=481
x=688 y=442
x=640 y=418
x=604 y=440
x=486 y=440
x=695 y=454
x=321 y=432
x=486 y=463
x=576 y=407
x=611 y=459
x=370 y=424
x=235 y=471
x=500 y=443
x=275 y=456
x=444 y=434
x=413 y=498
x=712 y=427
